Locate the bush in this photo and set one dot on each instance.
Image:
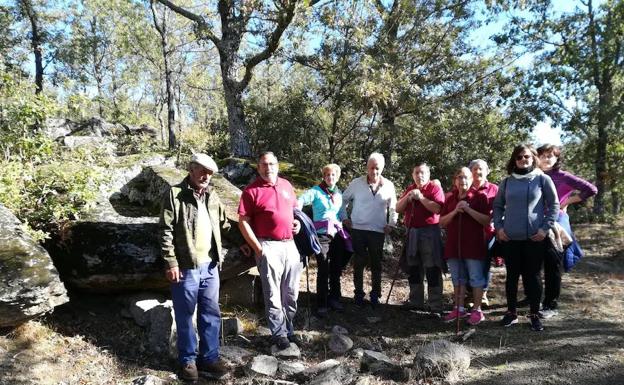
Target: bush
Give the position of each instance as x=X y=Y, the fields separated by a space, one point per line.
x=40 y=182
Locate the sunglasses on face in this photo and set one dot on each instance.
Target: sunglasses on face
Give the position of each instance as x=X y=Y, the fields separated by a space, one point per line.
x=520 y=157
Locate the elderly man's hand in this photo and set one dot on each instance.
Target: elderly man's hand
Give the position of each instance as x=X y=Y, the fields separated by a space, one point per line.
x=296 y=226
x=173 y=274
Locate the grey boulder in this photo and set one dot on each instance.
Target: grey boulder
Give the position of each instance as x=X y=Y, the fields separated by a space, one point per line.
x=30 y=283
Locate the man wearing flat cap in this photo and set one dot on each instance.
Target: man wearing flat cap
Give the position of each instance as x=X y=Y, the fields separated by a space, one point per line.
x=191 y=221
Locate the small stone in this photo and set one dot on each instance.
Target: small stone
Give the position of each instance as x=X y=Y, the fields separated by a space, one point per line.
x=387 y=340
x=373 y=320
x=320 y=368
x=340 y=343
x=377 y=363
x=149 y=380
x=357 y=353
x=337 y=329
x=290 y=352
x=263 y=364
x=263 y=331
x=232 y=326
x=290 y=368
x=364 y=380
x=270 y=381
x=442 y=359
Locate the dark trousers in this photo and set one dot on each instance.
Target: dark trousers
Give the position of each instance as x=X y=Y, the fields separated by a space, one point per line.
x=553 y=269
x=524 y=258
x=330 y=263
x=368 y=251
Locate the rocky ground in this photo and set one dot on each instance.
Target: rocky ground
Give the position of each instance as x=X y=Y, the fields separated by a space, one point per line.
x=87 y=341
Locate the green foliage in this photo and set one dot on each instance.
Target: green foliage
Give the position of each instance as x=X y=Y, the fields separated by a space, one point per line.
x=196 y=139
x=39 y=182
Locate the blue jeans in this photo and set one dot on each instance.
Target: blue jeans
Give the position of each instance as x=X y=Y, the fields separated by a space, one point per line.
x=197 y=288
x=465 y=271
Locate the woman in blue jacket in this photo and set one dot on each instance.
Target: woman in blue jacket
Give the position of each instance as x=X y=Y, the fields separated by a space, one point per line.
x=326 y=201
x=525 y=209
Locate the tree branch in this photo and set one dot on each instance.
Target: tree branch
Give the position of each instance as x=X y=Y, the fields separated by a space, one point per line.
x=202 y=25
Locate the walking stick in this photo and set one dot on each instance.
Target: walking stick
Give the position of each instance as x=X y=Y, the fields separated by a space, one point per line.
x=396 y=275
x=308 y=288
x=460 y=258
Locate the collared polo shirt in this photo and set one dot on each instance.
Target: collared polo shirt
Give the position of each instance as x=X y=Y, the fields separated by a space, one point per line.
x=465 y=237
x=416 y=214
x=270 y=208
x=490 y=190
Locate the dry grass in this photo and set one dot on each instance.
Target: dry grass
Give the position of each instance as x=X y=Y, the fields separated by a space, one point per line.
x=35 y=354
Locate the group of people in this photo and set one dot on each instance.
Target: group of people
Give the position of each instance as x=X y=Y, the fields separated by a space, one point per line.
x=524 y=218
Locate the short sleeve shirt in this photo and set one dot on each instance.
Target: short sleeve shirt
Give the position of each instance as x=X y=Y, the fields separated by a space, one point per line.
x=270 y=208
x=465 y=237
x=416 y=214
x=490 y=190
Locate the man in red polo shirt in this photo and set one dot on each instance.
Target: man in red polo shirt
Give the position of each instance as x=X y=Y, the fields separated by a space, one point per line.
x=266 y=221
x=421 y=204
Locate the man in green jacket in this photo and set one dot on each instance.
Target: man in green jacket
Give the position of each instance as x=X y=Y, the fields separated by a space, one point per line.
x=191 y=221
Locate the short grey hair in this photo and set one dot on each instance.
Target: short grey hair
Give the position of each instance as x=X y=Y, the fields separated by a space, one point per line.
x=378 y=157
x=479 y=161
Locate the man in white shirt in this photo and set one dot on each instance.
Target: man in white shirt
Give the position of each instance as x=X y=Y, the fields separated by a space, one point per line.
x=372 y=199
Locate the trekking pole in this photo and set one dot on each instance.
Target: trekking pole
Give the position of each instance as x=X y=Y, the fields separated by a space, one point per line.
x=308 y=288
x=459 y=283
x=394 y=278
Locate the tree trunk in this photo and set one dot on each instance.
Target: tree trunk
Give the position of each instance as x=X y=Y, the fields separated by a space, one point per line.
x=170 y=105
x=601 y=168
x=35 y=41
x=97 y=66
x=239 y=140
x=388 y=129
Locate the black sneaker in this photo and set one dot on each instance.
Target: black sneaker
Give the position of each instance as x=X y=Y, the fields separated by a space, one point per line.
x=536 y=324
x=509 y=319
x=281 y=343
x=547 y=313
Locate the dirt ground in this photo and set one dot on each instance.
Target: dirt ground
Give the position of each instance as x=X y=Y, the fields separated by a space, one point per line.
x=88 y=342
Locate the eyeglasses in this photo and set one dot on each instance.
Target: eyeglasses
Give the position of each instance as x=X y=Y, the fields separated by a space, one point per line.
x=520 y=157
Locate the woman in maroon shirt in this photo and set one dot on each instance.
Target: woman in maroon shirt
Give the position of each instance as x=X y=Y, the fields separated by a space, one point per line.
x=465 y=213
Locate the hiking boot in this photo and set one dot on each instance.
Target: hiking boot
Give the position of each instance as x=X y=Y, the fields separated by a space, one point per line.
x=281 y=342
x=335 y=304
x=509 y=319
x=547 y=313
x=188 y=372
x=476 y=316
x=536 y=324
x=452 y=316
x=295 y=339
x=218 y=368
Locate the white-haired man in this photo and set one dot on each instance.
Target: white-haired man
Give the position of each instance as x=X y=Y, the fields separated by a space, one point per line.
x=372 y=199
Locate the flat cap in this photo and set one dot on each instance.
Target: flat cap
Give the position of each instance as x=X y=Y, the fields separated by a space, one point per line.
x=205 y=161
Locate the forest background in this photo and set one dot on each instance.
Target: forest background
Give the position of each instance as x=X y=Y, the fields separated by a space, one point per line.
x=315 y=81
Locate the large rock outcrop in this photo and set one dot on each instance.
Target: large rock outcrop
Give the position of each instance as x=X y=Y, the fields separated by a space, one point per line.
x=30 y=284
x=115 y=246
